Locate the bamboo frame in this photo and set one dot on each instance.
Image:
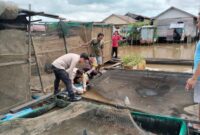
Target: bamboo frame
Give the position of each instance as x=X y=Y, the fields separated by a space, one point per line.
x=29 y=49
x=40 y=77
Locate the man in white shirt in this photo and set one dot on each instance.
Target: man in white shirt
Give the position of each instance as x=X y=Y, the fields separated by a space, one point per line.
x=63 y=70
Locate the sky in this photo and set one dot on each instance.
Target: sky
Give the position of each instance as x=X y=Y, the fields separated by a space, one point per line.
x=97 y=10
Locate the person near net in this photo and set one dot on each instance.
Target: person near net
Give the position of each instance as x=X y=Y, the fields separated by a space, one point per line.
x=194 y=81
x=97 y=49
x=115 y=43
x=90 y=67
x=63 y=70
x=79 y=82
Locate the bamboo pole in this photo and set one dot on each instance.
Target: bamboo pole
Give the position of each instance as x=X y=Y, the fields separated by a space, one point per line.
x=29 y=50
x=199 y=111
x=39 y=72
x=86 y=38
x=63 y=35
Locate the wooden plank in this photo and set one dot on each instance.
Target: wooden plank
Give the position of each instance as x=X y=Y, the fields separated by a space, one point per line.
x=51 y=51
x=13 y=63
x=114 y=65
x=31 y=103
x=110 y=104
x=37 y=90
x=169 y=61
x=193 y=110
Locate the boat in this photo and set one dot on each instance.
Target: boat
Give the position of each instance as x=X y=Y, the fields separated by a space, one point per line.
x=35 y=108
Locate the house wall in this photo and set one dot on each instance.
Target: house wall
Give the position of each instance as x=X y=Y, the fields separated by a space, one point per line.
x=173 y=13
x=174 y=16
x=114 y=20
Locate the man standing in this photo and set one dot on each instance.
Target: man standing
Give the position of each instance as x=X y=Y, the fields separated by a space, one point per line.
x=194 y=81
x=63 y=70
x=97 y=49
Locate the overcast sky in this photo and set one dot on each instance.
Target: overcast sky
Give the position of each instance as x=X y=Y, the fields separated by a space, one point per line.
x=97 y=10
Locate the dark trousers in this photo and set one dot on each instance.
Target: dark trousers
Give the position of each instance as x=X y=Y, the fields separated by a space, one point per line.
x=61 y=74
x=115 y=50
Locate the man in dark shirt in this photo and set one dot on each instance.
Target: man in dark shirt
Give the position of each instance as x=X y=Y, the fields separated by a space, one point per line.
x=97 y=49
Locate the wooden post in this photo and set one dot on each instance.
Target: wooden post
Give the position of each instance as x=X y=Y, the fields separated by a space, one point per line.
x=30 y=42
x=199 y=111
x=29 y=48
x=86 y=38
x=63 y=35
x=103 y=52
x=39 y=72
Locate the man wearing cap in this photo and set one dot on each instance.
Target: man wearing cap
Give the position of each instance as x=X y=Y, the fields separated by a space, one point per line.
x=63 y=70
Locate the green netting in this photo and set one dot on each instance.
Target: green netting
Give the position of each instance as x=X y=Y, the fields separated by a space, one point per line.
x=52 y=26
x=60 y=35
x=55 y=26
x=103 y=25
x=65 y=26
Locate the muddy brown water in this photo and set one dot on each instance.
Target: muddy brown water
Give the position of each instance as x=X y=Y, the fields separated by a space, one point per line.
x=164 y=51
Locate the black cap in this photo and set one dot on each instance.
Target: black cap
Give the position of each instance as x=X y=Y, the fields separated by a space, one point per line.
x=84 y=56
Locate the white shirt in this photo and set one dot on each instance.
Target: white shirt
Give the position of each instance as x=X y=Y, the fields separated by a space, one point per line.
x=67 y=62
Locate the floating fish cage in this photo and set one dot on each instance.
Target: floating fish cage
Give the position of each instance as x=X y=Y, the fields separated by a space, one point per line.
x=87 y=118
x=154 y=92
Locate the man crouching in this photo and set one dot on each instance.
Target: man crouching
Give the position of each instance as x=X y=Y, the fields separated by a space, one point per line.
x=63 y=70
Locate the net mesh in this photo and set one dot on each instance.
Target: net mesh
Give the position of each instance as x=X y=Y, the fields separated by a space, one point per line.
x=155 y=92
x=14 y=69
x=77 y=119
x=50 y=44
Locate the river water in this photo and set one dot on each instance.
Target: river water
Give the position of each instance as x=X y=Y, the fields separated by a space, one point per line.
x=163 y=51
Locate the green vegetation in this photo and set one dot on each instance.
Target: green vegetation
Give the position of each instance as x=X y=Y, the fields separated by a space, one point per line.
x=140 y=24
x=122 y=43
x=132 y=60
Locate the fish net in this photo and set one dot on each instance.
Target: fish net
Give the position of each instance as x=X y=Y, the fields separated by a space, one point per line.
x=60 y=38
x=99 y=121
x=14 y=69
x=149 y=91
x=80 y=118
